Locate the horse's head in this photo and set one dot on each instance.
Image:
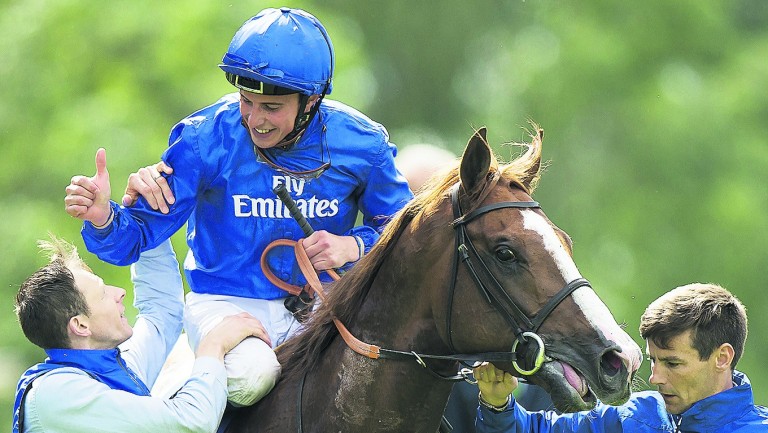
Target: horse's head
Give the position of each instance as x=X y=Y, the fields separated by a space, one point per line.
x=514 y=271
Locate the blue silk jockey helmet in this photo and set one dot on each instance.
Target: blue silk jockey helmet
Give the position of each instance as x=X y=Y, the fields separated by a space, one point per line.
x=279 y=52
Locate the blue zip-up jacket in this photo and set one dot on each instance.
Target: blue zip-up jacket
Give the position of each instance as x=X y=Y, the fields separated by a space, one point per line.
x=730 y=411
x=225 y=194
x=106 y=366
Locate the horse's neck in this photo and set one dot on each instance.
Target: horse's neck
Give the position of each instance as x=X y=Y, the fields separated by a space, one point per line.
x=347 y=391
x=386 y=394
x=372 y=395
x=398 y=309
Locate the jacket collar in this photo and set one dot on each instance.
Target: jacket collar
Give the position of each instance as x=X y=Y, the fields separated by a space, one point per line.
x=107 y=366
x=720 y=409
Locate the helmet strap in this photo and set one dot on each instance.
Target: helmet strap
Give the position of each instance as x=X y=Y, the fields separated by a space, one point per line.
x=302 y=119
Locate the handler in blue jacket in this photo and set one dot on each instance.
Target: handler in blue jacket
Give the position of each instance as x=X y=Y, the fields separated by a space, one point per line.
x=695 y=335
x=99 y=370
x=227 y=158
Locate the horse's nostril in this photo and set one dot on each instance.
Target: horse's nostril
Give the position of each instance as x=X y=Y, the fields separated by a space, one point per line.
x=611 y=363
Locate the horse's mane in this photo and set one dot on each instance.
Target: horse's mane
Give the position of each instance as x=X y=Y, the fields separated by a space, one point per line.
x=345 y=297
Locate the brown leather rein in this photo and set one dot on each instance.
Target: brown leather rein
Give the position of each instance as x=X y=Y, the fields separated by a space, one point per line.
x=526 y=328
x=372 y=351
x=314 y=286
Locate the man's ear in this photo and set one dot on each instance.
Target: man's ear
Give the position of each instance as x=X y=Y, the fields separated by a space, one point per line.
x=78 y=327
x=724 y=356
x=311 y=102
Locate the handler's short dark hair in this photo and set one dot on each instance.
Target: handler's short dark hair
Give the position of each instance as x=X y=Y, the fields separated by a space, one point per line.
x=712 y=314
x=49 y=297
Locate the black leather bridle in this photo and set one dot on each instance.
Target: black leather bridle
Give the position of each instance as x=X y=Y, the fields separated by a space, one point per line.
x=525 y=327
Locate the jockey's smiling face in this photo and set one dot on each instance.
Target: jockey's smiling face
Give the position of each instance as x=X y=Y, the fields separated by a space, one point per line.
x=270 y=118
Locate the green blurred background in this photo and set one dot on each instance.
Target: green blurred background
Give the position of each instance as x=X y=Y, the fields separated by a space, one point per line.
x=655 y=112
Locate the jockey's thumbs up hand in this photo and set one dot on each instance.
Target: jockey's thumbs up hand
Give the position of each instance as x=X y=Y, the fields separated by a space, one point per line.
x=88 y=197
x=101 y=179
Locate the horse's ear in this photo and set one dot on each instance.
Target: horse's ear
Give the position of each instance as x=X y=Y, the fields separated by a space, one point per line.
x=531 y=175
x=475 y=162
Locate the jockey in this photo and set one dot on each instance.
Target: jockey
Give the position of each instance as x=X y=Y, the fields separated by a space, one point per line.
x=278 y=128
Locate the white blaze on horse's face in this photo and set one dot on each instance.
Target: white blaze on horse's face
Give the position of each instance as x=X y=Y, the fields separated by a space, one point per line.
x=594 y=309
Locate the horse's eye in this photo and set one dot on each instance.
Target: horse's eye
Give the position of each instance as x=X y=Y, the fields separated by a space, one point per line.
x=504 y=254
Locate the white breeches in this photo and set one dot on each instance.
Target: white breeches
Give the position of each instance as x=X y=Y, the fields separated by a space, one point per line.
x=252 y=367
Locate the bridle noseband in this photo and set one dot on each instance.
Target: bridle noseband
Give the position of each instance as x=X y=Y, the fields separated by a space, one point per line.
x=525 y=327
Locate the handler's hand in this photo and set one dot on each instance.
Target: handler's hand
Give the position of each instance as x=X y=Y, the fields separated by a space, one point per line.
x=328 y=251
x=88 y=197
x=495 y=385
x=229 y=333
x=150 y=184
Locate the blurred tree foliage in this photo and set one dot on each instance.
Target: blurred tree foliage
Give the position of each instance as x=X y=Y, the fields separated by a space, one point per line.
x=654 y=115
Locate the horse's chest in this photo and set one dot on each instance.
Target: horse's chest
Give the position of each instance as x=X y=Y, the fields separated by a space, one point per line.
x=357 y=400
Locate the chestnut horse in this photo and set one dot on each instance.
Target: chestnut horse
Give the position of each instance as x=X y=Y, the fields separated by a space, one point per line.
x=471 y=270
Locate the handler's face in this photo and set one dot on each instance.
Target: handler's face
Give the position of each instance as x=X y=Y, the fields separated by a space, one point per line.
x=681 y=377
x=107 y=324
